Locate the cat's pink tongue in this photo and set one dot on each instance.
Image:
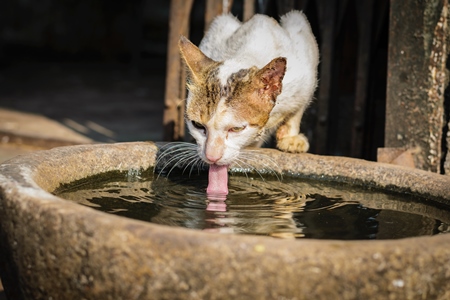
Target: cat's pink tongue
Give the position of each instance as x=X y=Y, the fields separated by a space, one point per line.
x=217 y=180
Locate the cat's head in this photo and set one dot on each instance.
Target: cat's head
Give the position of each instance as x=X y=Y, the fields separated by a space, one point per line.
x=225 y=114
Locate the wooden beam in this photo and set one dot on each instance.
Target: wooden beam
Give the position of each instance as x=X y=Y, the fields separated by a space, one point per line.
x=249 y=9
x=175 y=79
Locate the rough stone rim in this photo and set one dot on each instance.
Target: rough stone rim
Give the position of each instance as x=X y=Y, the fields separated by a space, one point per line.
x=33 y=170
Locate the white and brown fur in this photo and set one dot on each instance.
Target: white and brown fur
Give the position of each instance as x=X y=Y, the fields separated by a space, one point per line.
x=247 y=81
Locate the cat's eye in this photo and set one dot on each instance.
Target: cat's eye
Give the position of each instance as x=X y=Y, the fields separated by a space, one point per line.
x=198 y=125
x=237 y=129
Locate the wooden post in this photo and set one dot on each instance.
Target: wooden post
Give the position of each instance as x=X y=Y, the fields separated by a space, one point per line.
x=175 y=80
x=249 y=9
x=416 y=79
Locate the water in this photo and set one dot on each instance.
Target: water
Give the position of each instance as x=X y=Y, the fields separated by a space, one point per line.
x=290 y=208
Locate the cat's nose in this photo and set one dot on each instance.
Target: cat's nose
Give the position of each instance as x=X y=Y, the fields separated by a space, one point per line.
x=213 y=157
x=214 y=148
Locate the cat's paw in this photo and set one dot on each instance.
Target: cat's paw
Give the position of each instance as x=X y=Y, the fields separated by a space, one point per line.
x=294 y=144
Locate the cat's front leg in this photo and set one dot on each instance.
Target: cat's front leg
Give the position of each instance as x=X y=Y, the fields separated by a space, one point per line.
x=288 y=136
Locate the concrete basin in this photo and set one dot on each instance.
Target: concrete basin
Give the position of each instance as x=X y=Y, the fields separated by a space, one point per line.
x=52 y=248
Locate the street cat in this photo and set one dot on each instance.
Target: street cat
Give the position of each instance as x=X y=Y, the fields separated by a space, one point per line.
x=247 y=81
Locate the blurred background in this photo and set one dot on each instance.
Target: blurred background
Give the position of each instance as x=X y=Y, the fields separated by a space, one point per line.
x=97 y=67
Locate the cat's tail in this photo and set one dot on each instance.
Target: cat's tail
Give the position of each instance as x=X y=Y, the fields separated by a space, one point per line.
x=221 y=28
x=297 y=26
x=296 y=21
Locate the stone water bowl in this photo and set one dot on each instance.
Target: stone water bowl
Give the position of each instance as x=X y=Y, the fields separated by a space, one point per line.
x=55 y=249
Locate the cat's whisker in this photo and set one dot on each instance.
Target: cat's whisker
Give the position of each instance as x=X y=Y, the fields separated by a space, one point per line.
x=201 y=165
x=238 y=163
x=166 y=165
x=186 y=160
x=179 y=162
x=192 y=160
x=198 y=164
x=192 y=167
x=171 y=156
x=189 y=163
x=180 y=152
x=176 y=146
x=170 y=160
x=268 y=163
x=173 y=148
x=264 y=138
x=250 y=167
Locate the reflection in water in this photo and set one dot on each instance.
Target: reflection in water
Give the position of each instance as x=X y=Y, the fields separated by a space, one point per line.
x=216 y=205
x=287 y=209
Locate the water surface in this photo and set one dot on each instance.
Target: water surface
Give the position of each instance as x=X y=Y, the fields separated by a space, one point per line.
x=286 y=208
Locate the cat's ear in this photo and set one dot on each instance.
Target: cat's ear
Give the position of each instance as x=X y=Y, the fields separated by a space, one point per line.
x=271 y=76
x=195 y=59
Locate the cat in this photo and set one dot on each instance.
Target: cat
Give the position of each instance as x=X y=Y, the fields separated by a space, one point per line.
x=247 y=81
